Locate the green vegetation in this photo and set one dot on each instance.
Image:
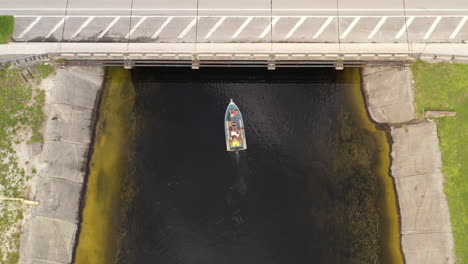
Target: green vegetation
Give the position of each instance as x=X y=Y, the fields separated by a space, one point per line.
x=21 y=117
x=444 y=86
x=7 y=24
x=43 y=70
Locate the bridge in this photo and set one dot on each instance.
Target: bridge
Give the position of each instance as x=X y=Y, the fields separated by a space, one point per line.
x=243 y=30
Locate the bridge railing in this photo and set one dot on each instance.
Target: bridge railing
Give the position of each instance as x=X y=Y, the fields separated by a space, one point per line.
x=217 y=59
x=260 y=59
x=26 y=59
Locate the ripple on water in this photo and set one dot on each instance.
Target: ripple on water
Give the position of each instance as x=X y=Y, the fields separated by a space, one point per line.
x=308 y=189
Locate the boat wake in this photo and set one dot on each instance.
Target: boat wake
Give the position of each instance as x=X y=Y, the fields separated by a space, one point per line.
x=235 y=196
x=242 y=169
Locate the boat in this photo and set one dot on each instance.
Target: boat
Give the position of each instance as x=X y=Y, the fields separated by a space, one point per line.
x=234 y=128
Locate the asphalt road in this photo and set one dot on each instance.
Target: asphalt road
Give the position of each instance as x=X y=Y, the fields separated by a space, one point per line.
x=251 y=21
x=237 y=7
x=243 y=29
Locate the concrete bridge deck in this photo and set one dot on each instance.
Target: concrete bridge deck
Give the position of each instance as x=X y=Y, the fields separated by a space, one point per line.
x=268 y=30
x=228 y=53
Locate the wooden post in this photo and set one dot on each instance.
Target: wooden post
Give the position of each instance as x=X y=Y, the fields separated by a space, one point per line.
x=23 y=201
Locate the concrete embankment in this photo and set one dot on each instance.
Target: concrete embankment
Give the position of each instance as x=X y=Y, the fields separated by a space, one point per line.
x=50 y=228
x=426 y=233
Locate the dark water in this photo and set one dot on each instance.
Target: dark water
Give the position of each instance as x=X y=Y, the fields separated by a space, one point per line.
x=280 y=201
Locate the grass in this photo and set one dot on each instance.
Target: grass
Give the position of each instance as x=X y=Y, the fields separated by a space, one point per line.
x=21 y=117
x=43 y=70
x=444 y=86
x=7 y=24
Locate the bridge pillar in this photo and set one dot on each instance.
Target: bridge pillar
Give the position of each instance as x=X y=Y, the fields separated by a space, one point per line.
x=339 y=66
x=128 y=64
x=271 y=63
x=195 y=62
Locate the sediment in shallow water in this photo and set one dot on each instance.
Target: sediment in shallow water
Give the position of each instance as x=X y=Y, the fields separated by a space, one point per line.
x=360 y=211
x=386 y=202
x=108 y=189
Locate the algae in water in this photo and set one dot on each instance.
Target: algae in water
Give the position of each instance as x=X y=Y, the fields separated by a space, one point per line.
x=373 y=146
x=366 y=203
x=109 y=188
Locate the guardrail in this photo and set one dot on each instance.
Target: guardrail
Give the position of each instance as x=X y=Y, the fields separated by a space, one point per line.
x=232 y=56
x=24 y=59
x=443 y=58
x=271 y=61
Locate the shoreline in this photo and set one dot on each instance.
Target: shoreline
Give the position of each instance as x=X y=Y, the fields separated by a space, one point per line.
x=50 y=230
x=107 y=168
x=60 y=186
x=386 y=200
x=425 y=229
x=96 y=116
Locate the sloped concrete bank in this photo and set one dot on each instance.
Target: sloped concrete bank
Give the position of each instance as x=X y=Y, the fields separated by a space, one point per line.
x=50 y=229
x=426 y=233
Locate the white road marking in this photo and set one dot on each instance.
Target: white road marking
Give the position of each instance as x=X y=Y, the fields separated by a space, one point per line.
x=239 y=30
x=267 y=29
x=187 y=29
x=59 y=24
x=433 y=26
x=134 y=28
x=458 y=28
x=216 y=26
x=111 y=24
x=404 y=27
x=85 y=24
x=377 y=27
x=300 y=21
x=293 y=30
x=26 y=30
x=161 y=28
x=323 y=27
x=350 y=27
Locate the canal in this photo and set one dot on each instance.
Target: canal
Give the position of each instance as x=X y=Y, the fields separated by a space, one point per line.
x=312 y=187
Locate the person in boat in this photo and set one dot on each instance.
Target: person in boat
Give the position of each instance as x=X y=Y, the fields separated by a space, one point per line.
x=234 y=130
x=235 y=133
